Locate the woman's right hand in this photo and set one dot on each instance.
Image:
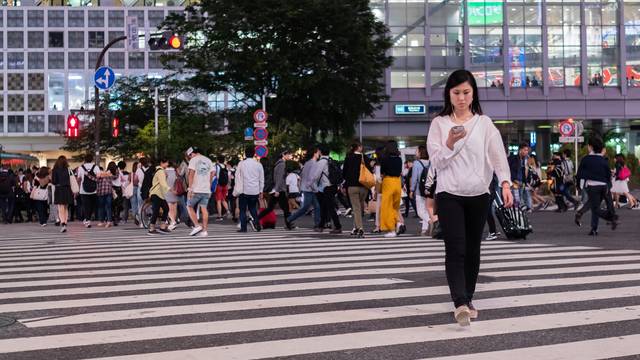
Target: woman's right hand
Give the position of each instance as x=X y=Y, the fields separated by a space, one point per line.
x=454 y=137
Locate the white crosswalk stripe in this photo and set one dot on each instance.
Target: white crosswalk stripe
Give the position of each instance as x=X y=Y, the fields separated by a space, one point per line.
x=119 y=294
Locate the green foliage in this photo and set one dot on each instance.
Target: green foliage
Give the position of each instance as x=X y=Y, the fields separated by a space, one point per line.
x=323 y=59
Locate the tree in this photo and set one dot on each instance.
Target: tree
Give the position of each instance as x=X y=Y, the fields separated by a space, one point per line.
x=132 y=101
x=324 y=60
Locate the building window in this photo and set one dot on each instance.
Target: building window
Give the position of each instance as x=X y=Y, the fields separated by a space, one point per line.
x=406 y=20
x=56 y=91
x=35 y=102
x=632 y=34
x=36 y=124
x=136 y=60
x=36 y=81
x=1 y=85
x=116 y=60
x=76 y=60
x=563 y=37
x=116 y=18
x=56 y=39
x=76 y=91
x=15 y=60
x=1 y=24
x=15 y=39
x=15 y=81
x=407 y=79
x=15 y=18
x=154 y=60
x=15 y=102
x=55 y=18
x=76 y=39
x=96 y=18
x=56 y=60
x=35 y=18
x=446 y=30
x=56 y=124
x=156 y=17
x=139 y=14
x=36 y=60
x=602 y=40
x=525 y=45
x=76 y=18
x=35 y=39
x=96 y=39
x=114 y=35
x=93 y=58
x=1 y=38
x=15 y=123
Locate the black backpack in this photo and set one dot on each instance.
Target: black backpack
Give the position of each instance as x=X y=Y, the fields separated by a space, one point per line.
x=223 y=177
x=422 y=181
x=147 y=182
x=335 y=174
x=89 y=185
x=5 y=183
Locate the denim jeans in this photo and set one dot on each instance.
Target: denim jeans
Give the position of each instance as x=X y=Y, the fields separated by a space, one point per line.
x=104 y=208
x=136 y=201
x=308 y=199
x=244 y=202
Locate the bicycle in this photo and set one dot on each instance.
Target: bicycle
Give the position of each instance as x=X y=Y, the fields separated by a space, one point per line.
x=146 y=212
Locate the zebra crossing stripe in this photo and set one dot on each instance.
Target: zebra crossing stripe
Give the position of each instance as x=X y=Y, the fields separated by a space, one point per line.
x=608 y=348
x=299 y=346
x=489 y=303
x=288 y=265
x=544 y=252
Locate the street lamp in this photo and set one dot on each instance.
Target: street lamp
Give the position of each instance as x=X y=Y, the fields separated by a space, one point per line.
x=264 y=100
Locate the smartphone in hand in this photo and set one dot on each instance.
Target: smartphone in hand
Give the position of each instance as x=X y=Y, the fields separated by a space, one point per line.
x=457 y=129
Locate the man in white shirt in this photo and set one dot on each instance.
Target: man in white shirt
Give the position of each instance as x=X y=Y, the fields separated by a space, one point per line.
x=201 y=173
x=249 y=184
x=139 y=179
x=88 y=188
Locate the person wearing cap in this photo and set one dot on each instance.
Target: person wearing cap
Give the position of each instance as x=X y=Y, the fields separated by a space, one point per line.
x=200 y=177
x=279 y=194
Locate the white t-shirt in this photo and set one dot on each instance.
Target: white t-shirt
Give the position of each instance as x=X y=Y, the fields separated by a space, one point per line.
x=140 y=175
x=292 y=183
x=82 y=172
x=203 y=168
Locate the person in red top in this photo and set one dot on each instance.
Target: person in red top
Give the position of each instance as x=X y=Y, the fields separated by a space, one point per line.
x=222 y=189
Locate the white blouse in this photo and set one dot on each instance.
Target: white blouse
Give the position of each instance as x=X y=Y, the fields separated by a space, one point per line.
x=467 y=170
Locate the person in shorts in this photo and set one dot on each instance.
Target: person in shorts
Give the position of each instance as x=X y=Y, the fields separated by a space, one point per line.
x=200 y=176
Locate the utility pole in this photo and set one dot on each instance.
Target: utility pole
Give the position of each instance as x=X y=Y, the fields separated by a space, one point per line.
x=155 y=116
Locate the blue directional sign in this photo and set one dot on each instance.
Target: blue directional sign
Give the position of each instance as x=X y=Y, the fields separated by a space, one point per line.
x=404 y=109
x=104 y=78
x=248 y=133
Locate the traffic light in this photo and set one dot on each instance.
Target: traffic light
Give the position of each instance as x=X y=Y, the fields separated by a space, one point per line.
x=115 y=124
x=72 y=126
x=167 y=41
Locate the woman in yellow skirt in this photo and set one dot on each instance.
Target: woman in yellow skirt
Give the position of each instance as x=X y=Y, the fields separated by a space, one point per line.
x=391 y=170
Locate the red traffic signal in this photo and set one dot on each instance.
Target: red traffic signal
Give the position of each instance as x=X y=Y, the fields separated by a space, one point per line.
x=175 y=42
x=115 y=124
x=72 y=126
x=167 y=41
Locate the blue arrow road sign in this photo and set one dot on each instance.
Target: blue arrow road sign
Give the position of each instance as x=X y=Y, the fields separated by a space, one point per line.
x=104 y=78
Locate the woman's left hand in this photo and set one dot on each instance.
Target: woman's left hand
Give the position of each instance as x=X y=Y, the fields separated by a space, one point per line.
x=507 y=196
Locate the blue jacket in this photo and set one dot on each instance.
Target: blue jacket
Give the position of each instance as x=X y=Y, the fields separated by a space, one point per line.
x=596 y=168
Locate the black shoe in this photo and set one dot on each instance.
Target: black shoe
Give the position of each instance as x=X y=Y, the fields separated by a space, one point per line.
x=593 y=232
x=242 y=231
x=353 y=232
x=577 y=220
x=318 y=229
x=258 y=227
x=57 y=223
x=402 y=229
x=614 y=224
x=360 y=233
x=335 y=231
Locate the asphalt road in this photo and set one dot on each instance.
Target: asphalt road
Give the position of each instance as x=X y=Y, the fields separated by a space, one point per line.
x=120 y=294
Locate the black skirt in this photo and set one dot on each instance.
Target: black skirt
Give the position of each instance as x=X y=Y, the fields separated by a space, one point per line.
x=63 y=195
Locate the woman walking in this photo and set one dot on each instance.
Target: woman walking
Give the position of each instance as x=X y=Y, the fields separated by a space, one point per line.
x=159 y=189
x=421 y=165
x=357 y=192
x=39 y=194
x=171 y=196
x=390 y=170
x=61 y=178
x=466 y=149
x=620 y=183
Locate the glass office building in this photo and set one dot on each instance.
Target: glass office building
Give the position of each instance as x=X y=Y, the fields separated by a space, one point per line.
x=536 y=63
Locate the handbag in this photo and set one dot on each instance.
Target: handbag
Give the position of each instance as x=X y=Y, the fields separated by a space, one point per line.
x=366 y=177
x=75 y=188
x=39 y=194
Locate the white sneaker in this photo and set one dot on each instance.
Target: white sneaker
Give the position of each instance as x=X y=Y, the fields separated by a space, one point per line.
x=492 y=236
x=391 y=234
x=195 y=230
x=203 y=234
x=462 y=315
x=173 y=226
x=238 y=225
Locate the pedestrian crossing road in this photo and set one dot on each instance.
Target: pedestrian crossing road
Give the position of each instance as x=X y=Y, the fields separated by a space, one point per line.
x=119 y=294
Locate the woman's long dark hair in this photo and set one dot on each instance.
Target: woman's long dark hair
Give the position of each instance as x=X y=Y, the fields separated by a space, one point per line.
x=391 y=148
x=456 y=78
x=61 y=163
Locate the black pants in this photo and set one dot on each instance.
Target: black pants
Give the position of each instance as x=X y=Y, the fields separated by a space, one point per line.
x=596 y=195
x=462 y=220
x=248 y=202
x=328 y=207
x=156 y=205
x=42 y=207
x=4 y=208
x=89 y=203
x=408 y=203
x=281 y=200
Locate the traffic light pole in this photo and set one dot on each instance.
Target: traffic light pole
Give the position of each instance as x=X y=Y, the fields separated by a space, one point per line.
x=96 y=115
